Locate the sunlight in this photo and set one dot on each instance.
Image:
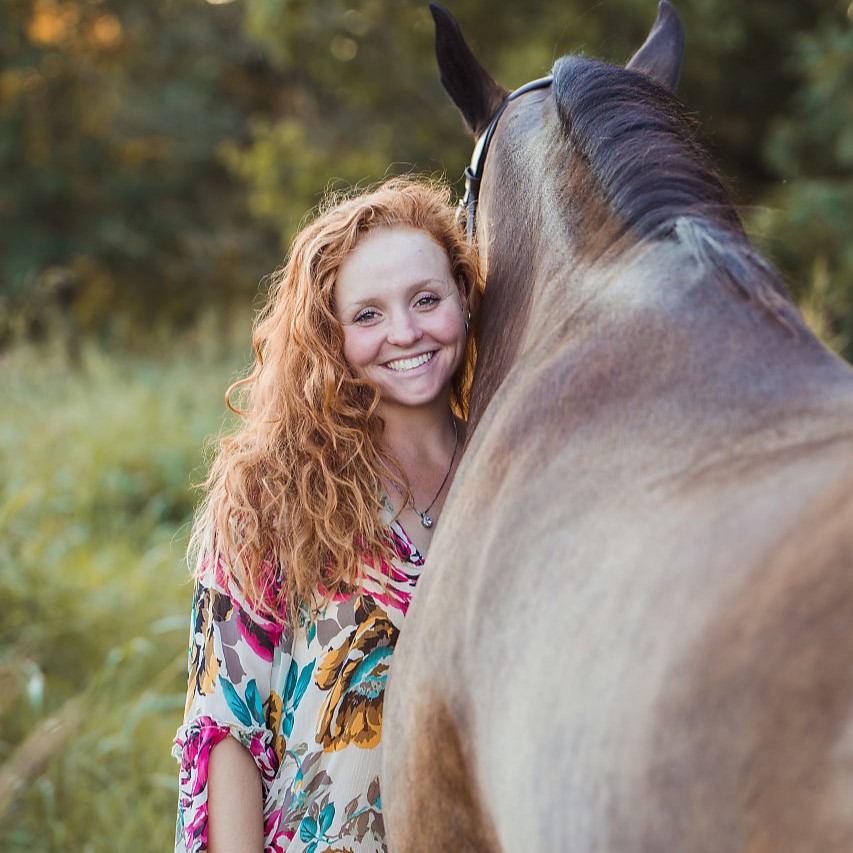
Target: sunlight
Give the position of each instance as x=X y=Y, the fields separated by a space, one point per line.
x=106 y=31
x=52 y=24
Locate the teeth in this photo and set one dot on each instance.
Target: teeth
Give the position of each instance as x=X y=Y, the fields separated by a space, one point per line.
x=410 y=363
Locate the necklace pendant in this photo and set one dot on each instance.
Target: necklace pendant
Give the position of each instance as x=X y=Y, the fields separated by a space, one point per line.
x=426 y=521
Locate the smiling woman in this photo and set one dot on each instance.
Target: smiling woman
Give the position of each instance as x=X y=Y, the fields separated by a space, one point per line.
x=310 y=542
x=403 y=317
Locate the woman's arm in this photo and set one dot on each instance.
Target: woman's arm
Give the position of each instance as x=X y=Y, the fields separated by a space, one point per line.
x=235 y=800
x=224 y=715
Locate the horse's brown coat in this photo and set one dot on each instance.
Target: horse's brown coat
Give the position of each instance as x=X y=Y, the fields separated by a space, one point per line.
x=636 y=628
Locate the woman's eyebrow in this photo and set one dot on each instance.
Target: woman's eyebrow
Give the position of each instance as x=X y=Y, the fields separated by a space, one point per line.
x=410 y=288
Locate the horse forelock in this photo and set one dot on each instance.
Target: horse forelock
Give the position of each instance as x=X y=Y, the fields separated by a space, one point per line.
x=635 y=164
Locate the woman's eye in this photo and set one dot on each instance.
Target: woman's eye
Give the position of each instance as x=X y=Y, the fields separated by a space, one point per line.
x=365 y=317
x=426 y=301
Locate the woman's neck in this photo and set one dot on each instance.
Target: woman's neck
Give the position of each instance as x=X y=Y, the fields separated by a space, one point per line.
x=427 y=446
x=419 y=437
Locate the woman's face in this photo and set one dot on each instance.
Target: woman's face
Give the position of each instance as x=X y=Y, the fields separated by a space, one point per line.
x=403 y=316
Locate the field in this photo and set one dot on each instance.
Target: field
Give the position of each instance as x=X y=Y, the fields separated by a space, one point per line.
x=95 y=502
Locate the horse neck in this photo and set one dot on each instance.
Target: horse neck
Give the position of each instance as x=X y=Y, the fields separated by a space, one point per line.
x=526 y=253
x=652 y=323
x=503 y=322
x=535 y=284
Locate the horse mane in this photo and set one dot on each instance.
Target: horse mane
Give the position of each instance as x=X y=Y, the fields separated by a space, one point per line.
x=639 y=167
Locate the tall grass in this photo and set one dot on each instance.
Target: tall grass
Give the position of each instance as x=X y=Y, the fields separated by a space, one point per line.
x=95 y=502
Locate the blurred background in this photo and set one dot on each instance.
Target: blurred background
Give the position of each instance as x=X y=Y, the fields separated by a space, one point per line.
x=155 y=158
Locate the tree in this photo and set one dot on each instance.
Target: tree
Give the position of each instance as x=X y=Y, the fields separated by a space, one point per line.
x=807 y=219
x=113 y=114
x=156 y=156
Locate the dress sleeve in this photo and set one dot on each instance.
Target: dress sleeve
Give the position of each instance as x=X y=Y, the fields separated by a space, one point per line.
x=231 y=653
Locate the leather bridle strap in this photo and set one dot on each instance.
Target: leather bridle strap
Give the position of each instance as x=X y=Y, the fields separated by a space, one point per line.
x=474 y=172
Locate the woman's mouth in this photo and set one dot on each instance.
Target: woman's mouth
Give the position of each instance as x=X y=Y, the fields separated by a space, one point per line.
x=401 y=365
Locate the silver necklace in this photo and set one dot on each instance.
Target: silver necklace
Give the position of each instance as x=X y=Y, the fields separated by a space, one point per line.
x=426 y=519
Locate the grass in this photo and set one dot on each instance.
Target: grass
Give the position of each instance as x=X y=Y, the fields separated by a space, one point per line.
x=95 y=503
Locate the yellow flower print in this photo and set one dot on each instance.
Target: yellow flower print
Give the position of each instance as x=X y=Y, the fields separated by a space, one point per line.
x=273 y=707
x=354 y=675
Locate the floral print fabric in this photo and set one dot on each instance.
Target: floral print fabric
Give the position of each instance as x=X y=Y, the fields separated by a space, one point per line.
x=307 y=705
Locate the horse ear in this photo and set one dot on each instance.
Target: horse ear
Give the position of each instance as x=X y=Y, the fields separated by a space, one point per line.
x=466 y=81
x=661 y=54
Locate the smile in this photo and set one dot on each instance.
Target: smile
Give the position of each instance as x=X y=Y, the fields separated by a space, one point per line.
x=402 y=364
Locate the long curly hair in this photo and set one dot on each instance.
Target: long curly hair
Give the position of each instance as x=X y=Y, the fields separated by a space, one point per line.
x=293 y=499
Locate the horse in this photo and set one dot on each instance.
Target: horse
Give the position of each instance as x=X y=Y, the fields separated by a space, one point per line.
x=636 y=628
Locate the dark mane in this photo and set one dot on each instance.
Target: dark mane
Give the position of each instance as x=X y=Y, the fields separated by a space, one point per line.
x=642 y=175
x=637 y=142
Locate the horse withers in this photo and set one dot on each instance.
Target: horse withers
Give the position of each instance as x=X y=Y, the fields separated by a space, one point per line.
x=636 y=630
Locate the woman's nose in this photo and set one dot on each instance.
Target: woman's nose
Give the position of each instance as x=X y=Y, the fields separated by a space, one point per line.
x=403 y=329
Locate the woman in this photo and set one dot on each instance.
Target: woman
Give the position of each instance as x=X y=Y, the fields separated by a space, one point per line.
x=317 y=517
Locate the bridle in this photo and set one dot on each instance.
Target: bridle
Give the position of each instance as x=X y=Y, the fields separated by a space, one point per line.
x=474 y=172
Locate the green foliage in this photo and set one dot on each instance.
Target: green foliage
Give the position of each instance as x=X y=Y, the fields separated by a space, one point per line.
x=95 y=503
x=111 y=117
x=808 y=218
x=157 y=155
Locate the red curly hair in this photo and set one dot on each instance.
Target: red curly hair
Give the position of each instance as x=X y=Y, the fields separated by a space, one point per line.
x=292 y=501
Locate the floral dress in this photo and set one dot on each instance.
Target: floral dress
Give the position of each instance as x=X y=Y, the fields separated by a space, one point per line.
x=306 y=704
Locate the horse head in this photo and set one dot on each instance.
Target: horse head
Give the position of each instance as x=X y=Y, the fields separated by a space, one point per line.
x=582 y=171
